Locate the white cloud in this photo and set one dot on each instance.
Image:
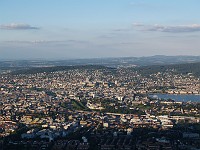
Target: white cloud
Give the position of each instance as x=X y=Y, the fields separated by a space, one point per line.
x=45 y=42
x=171 y=29
x=18 y=26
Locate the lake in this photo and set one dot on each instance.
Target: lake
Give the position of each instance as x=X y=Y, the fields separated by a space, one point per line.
x=177 y=97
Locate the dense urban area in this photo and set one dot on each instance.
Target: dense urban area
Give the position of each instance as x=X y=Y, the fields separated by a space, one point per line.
x=96 y=107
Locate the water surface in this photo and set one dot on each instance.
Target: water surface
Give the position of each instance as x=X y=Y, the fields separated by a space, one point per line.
x=177 y=97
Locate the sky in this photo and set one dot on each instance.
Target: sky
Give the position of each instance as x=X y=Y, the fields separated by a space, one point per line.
x=68 y=29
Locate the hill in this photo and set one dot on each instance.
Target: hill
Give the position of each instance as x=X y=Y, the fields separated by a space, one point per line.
x=186 y=68
x=35 y=70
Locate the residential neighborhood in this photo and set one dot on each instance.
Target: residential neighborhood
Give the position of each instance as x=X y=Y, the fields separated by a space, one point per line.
x=98 y=109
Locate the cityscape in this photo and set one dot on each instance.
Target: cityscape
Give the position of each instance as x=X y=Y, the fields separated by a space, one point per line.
x=99 y=75
x=98 y=107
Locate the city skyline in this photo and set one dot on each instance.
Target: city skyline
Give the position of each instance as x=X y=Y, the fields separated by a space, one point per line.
x=91 y=29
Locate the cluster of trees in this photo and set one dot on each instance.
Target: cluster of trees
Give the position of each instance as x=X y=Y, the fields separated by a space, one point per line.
x=79 y=105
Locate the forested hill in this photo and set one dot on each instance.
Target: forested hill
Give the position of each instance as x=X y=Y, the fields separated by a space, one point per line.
x=35 y=70
x=193 y=68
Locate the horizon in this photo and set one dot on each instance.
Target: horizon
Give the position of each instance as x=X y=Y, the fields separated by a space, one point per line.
x=97 y=29
x=90 y=58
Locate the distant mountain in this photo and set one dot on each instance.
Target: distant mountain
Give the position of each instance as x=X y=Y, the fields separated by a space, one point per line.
x=111 y=62
x=153 y=63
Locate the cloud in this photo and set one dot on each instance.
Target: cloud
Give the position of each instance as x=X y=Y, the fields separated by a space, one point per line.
x=170 y=29
x=18 y=26
x=122 y=29
x=45 y=42
x=138 y=25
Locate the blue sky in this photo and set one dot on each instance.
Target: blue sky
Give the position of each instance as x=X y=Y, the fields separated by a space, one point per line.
x=49 y=29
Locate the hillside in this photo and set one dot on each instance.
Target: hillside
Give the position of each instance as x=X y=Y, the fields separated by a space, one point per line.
x=185 y=68
x=54 y=69
x=193 y=68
